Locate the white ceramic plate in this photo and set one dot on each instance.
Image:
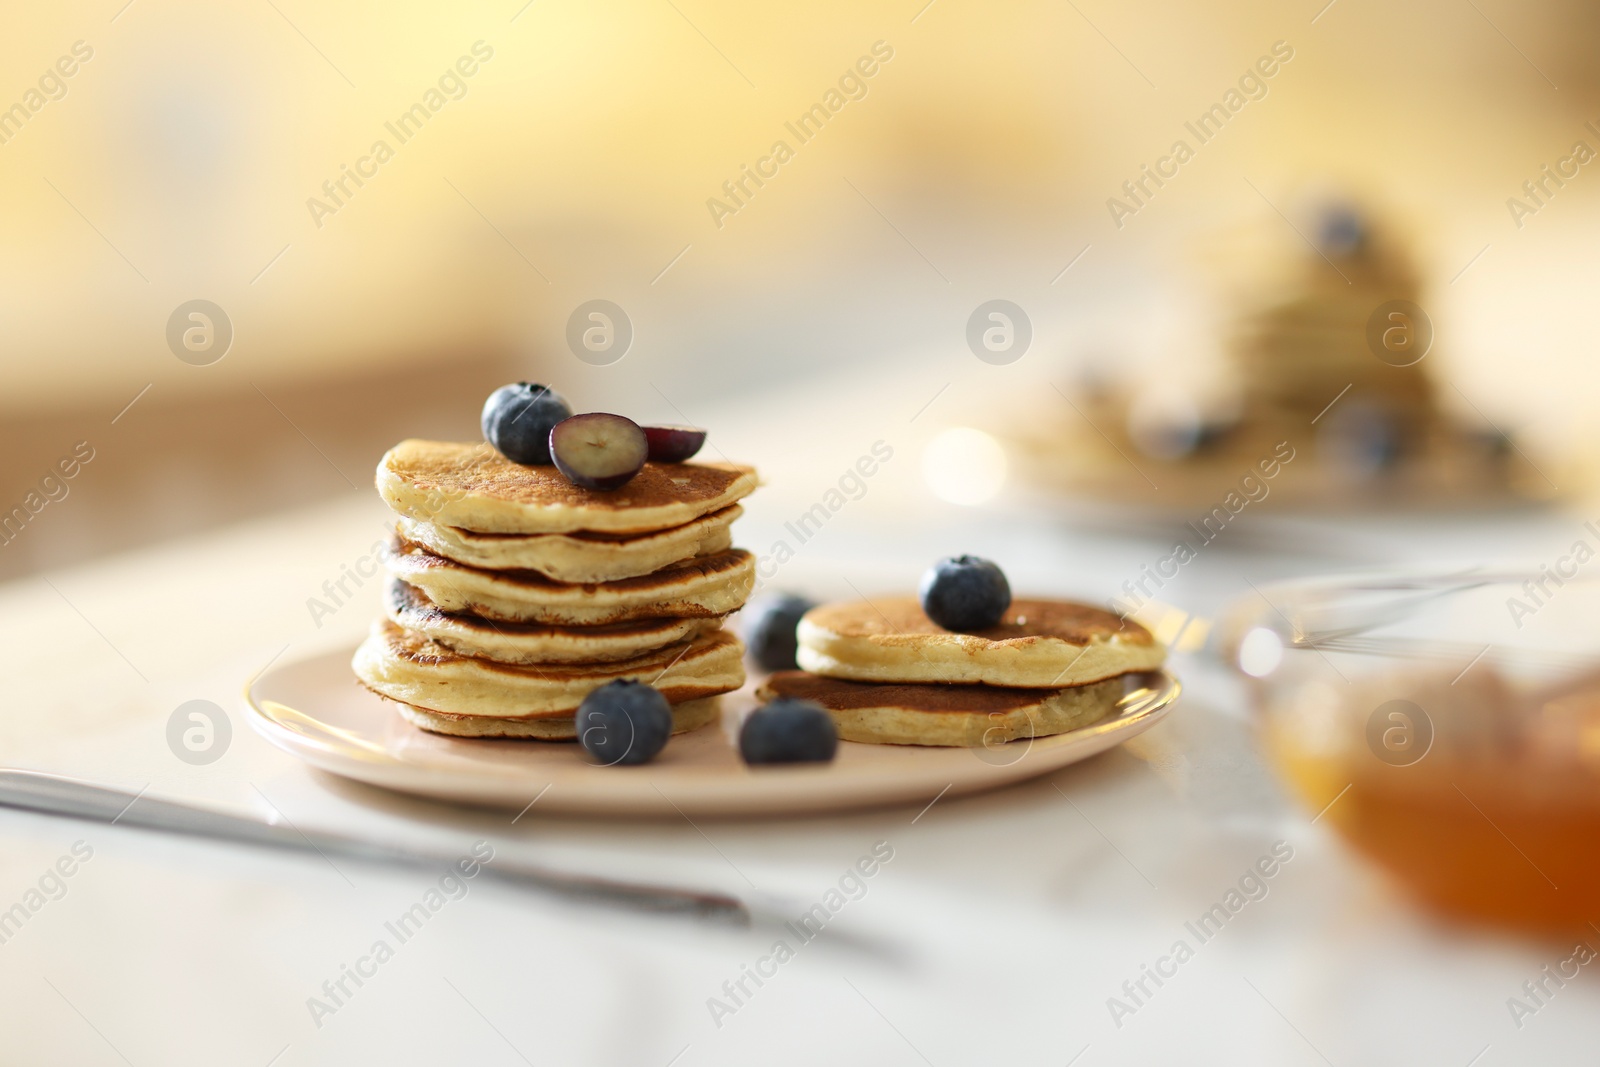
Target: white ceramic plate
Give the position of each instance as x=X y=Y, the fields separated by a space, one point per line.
x=315 y=709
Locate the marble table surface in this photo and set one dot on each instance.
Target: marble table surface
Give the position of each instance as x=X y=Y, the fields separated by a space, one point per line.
x=1000 y=928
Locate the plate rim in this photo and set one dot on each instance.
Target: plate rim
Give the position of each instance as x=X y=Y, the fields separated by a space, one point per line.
x=484 y=785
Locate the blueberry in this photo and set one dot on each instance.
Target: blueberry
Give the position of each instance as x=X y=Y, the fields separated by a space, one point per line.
x=1361 y=440
x=517 y=420
x=624 y=722
x=788 y=731
x=598 y=450
x=1342 y=229
x=965 y=593
x=769 y=633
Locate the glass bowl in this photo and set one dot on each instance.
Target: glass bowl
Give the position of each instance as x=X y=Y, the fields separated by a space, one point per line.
x=1446 y=723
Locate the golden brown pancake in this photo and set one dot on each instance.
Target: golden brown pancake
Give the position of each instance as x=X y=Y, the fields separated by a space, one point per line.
x=951 y=715
x=1044 y=644
x=584 y=556
x=409 y=668
x=689 y=715
x=535 y=643
x=476 y=488
x=702 y=587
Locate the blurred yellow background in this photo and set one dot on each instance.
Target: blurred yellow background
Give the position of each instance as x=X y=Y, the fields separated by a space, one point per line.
x=576 y=162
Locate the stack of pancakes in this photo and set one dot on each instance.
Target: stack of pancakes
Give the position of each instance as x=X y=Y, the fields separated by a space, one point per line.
x=890 y=675
x=514 y=593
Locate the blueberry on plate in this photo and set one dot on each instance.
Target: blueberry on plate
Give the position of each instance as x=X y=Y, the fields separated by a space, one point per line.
x=965 y=593
x=624 y=722
x=788 y=731
x=517 y=420
x=769 y=635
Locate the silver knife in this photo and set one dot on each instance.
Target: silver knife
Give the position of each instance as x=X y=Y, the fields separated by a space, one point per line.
x=75 y=798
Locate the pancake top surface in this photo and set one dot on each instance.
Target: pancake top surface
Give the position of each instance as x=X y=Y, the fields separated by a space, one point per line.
x=900 y=620
x=475 y=487
x=1048 y=644
x=836 y=694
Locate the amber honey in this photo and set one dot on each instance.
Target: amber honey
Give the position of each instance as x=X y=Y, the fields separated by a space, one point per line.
x=1506 y=833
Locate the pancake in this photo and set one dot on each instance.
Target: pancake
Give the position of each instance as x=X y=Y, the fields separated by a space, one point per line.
x=535 y=643
x=409 y=668
x=974 y=716
x=585 y=556
x=1044 y=644
x=689 y=715
x=703 y=587
x=476 y=488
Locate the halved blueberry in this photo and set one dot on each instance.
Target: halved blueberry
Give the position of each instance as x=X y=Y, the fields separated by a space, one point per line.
x=673 y=444
x=597 y=450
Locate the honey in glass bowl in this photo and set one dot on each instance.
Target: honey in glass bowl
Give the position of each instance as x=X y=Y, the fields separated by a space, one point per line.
x=1473 y=778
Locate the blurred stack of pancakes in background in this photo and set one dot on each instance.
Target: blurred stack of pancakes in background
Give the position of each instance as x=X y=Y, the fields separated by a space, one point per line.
x=513 y=592
x=1326 y=359
x=888 y=674
x=1307 y=343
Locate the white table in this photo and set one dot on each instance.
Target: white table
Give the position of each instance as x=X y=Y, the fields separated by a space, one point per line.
x=995 y=935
